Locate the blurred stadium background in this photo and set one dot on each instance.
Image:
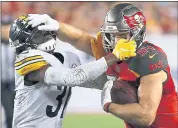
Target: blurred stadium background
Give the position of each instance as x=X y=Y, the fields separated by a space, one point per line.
x=84 y=107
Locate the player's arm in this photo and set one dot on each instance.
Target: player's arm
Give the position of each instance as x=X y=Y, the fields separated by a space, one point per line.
x=149 y=94
x=81 y=40
x=97 y=83
x=84 y=73
x=76 y=37
x=78 y=76
x=152 y=77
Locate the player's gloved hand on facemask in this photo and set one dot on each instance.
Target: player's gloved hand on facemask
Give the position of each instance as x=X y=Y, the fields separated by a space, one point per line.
x=125 y=49
x=106 y=95
x=97 y=47
x=49 y=23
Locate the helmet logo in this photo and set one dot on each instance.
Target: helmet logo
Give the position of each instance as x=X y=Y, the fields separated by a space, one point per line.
x=23 y=19
x=135 y=20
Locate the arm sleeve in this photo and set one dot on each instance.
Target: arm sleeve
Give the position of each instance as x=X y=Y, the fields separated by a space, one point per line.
x=98 y=83
x=80 y=75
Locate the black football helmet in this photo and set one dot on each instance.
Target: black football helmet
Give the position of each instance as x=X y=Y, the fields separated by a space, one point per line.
x=22 y=37
x=123 y=18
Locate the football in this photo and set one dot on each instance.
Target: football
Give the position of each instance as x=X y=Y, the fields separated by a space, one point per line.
x=124 y=92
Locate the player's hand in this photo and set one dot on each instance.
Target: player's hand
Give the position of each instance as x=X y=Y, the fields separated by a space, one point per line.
x=49 y=23
x=97 y=47
x=125 y=49
x=106 y=95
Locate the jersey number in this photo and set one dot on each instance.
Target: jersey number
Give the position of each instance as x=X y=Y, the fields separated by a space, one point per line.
x=59 y=98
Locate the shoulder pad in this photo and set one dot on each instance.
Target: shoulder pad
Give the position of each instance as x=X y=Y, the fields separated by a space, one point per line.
x=150 y=59
x=29 y=61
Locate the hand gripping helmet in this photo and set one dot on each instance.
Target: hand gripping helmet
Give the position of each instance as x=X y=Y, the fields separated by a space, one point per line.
x=123 y=18
x=22 y=37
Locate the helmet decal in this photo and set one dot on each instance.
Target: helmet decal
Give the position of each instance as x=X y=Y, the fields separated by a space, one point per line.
x=135 y=20
x=25 y=18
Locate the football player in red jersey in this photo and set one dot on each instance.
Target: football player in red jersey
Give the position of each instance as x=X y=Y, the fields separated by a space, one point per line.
x=157 y=106
x=158 y=100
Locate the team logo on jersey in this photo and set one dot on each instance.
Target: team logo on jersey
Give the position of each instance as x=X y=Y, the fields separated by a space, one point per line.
x=136 y=19
x=74 y=65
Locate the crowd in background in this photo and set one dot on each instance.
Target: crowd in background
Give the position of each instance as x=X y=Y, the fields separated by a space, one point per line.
x=89 y=16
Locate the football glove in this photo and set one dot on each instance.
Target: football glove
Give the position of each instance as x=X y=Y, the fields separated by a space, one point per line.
x=49 y=23
x=125 y=49
x=106 y=95
x=97 y=47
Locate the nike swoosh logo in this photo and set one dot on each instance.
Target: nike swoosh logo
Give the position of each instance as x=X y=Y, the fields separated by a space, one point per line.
x=151 y=56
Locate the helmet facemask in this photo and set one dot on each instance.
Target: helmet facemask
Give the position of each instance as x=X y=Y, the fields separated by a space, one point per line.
x=109 y=40
x=42 y=40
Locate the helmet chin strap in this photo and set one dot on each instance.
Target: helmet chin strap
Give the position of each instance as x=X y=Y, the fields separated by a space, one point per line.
x=140 y=44
x=48 y=46
x=135 y=36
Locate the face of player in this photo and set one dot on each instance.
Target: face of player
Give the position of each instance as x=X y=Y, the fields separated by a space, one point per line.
x=48 y=46
x=119 y=36
x=44 y=41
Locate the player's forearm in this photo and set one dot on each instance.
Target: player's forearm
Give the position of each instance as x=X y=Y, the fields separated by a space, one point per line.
x=76 y=37
x=77 y=76
x=131 y=113
x=111 y=59
x=80 y=75
x=97 y=83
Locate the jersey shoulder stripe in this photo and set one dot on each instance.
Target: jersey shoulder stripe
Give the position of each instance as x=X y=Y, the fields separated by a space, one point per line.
x=28 y=59
x=29 y=64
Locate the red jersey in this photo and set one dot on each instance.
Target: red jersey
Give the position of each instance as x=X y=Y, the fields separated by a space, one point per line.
x=151 y=59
